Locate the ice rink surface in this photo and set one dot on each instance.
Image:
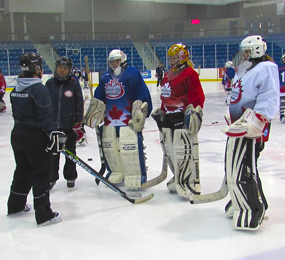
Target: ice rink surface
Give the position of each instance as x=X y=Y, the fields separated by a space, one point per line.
x=99 y=224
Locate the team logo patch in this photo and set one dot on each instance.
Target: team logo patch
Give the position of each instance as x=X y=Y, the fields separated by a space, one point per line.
x=236 y=92
x=165 y=90
x=68 y=93
x=114 y=89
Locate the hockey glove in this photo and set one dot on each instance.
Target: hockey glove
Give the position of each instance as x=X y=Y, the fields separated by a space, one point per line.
x=193 y=118
x=78 y=129
x=139 y=113
x=250 y=125
x=95 y=113
x=57 y=141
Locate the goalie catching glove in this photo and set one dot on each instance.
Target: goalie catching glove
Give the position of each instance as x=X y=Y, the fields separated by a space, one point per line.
x=250 y=125
x=193 y=118
x=139 y=113
x=78 y=129
x=56 y=143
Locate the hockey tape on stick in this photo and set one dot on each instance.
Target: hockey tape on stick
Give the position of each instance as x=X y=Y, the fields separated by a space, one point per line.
x=160 y=178
x=220 y=194
x=89 y=169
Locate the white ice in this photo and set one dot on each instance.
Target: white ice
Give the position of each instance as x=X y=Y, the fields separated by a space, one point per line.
x=99 y=224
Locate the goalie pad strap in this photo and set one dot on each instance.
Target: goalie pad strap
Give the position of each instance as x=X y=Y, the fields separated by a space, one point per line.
x=242 y=178
x=95 y=113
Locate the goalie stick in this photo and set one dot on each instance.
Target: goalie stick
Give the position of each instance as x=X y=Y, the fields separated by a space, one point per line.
x=103 y=163
x=160 y=178
x=220 y=194
x=89 y=76
x=89 y=169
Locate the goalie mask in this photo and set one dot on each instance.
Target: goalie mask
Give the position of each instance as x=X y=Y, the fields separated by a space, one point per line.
x=178 y=57
x=63 y=67
x=117 y=60
x=282 y=59
x=32 y=63
x=252 y=47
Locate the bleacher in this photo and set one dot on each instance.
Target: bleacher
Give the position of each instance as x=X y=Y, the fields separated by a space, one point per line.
x=214 y=52
x=97 y=52
x=10 y=53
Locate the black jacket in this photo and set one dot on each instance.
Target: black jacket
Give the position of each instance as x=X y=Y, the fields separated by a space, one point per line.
x=31 y=105
x=159 y=71
x=67 y=101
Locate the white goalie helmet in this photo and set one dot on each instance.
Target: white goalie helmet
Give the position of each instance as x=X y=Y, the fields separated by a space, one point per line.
x=255 y=45
x=116 y=60
x=229 y=64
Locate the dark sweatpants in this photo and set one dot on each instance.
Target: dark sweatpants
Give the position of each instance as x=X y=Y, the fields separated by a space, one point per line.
x=33 y=170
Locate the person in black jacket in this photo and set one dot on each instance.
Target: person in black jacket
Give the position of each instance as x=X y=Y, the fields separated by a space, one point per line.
x=67 y=103
x=159 y=74
x=34 y=139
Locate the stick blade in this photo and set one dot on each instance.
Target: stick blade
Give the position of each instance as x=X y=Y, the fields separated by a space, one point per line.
x=144 y=199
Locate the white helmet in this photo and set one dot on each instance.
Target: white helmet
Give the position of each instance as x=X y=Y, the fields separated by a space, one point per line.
x=229 y=64
x=255 y=44
x=117 y=55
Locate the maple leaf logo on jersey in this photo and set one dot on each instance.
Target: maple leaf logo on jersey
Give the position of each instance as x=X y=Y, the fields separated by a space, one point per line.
x=166 y=90
x=236 y=92
x=114 y=89
x=115 y=114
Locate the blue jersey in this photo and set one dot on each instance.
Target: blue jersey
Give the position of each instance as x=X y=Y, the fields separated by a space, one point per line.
x=281 y=70
x=119 y=93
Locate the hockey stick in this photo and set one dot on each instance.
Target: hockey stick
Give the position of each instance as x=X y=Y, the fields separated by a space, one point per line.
x=220 y=194
x=89 y=77
x=160 y=178
x=103 y=164
x=89 y=169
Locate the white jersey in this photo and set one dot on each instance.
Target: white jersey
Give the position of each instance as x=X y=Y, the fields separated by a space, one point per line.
x=257 y=89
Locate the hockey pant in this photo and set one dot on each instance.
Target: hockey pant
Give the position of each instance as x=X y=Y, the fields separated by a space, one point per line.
x=181 y=149
x=248 y=204
x=124 y=154
x=282 y=108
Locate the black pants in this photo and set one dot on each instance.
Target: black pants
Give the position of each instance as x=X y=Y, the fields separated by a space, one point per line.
x=33 y=170
x=69 y=170
x=159 y=80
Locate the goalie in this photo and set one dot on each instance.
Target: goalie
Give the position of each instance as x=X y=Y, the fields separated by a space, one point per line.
x=179 y=120
x=123 y=101
x=254 y=101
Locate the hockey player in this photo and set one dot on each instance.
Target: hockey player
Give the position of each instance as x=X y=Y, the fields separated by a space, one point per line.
x=282 y=89
x=67 y=103
x=254 y=101
x=179 y=120
x=34 y=139
x=229 y=74
x=2 y=92
x=123 y=100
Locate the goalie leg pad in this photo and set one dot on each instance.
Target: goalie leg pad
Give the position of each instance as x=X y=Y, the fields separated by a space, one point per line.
x=133 y=157
x=112 y=155
x=95 y=113
x=248 y=208
x=186 y=163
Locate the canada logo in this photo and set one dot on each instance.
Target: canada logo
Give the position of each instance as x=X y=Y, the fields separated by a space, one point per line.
x=236 y=92
x=68 y=93
x=165 y=90
x=114 y=89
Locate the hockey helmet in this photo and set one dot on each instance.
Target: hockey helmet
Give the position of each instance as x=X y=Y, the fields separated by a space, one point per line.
x=254 y=45
x=282 y=59
x=229 y=64
x=178 y=56
x=117 y=60
x=31 y=62
x=63 y=61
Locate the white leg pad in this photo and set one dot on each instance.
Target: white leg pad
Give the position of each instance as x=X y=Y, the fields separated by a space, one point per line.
x=111 y=151
x=186 y=163
x=130 y=157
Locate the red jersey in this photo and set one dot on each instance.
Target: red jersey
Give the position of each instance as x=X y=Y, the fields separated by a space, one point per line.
x=2 y=84
x=181 y=89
